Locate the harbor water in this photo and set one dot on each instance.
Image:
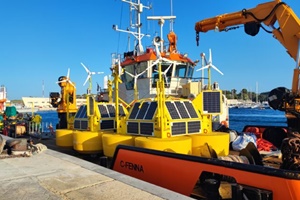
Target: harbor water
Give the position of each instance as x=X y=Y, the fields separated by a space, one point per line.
x=238 y=117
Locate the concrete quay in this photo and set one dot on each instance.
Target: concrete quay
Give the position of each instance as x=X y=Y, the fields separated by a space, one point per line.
x=53 y=175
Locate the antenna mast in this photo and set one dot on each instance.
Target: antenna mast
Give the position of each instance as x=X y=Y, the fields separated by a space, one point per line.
x=161 y=21
x=171 y=20
x=138 y=8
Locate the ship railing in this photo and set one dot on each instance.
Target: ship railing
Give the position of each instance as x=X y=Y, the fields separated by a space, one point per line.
x=41 y=130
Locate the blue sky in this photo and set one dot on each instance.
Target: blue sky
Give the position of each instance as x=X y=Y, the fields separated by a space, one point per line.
x=41 y=39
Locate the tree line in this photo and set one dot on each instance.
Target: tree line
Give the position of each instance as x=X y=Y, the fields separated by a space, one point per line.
x=244 y=94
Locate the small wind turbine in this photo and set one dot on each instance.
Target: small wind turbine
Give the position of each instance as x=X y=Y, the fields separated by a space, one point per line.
x=89 y=77
x=135 y=77
x=157 y=43
x=208 y=66
x=67 y=79
x=165 y=73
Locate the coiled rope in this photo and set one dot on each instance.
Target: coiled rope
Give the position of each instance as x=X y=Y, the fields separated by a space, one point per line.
x=291 y=152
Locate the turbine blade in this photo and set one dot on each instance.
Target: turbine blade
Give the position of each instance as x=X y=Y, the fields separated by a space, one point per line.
x=141 y=73
x=72 y=84
x=166 y=60
x=145 y=70
x=86 y=69
x=210 y=56
x=154 y=63
x=215 y=68
x=129 y=74
x=87 y=78
x=68 y=75
x=166 y=71
x=202 y=68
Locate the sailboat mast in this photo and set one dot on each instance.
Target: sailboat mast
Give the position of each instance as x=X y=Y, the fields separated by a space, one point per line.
x=256 y=92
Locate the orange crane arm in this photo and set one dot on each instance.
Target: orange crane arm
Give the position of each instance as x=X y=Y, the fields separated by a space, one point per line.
x=288 y=32
x=269 y=13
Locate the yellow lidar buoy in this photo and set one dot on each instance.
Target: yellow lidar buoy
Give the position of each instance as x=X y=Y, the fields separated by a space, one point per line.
x=112 y=140
x=219 y=141
x=64 y=138
x=87 y=142
x=179 y=144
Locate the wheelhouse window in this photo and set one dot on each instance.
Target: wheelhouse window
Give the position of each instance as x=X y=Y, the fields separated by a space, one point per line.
x=167 y=69
x=181 y=71
x=190 y=71
x=178 y=70
x=184 y=70
x=130 y=71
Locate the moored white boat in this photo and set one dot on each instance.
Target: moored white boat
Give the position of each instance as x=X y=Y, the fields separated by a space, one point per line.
x=23 y=109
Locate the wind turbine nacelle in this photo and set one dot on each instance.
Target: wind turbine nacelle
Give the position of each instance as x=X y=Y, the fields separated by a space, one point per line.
x=61 y=78
x=60 y=81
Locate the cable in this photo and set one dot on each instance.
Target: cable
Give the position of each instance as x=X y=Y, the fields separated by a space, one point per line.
x=245 y=12
x=119 y=32
x=265 y=29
